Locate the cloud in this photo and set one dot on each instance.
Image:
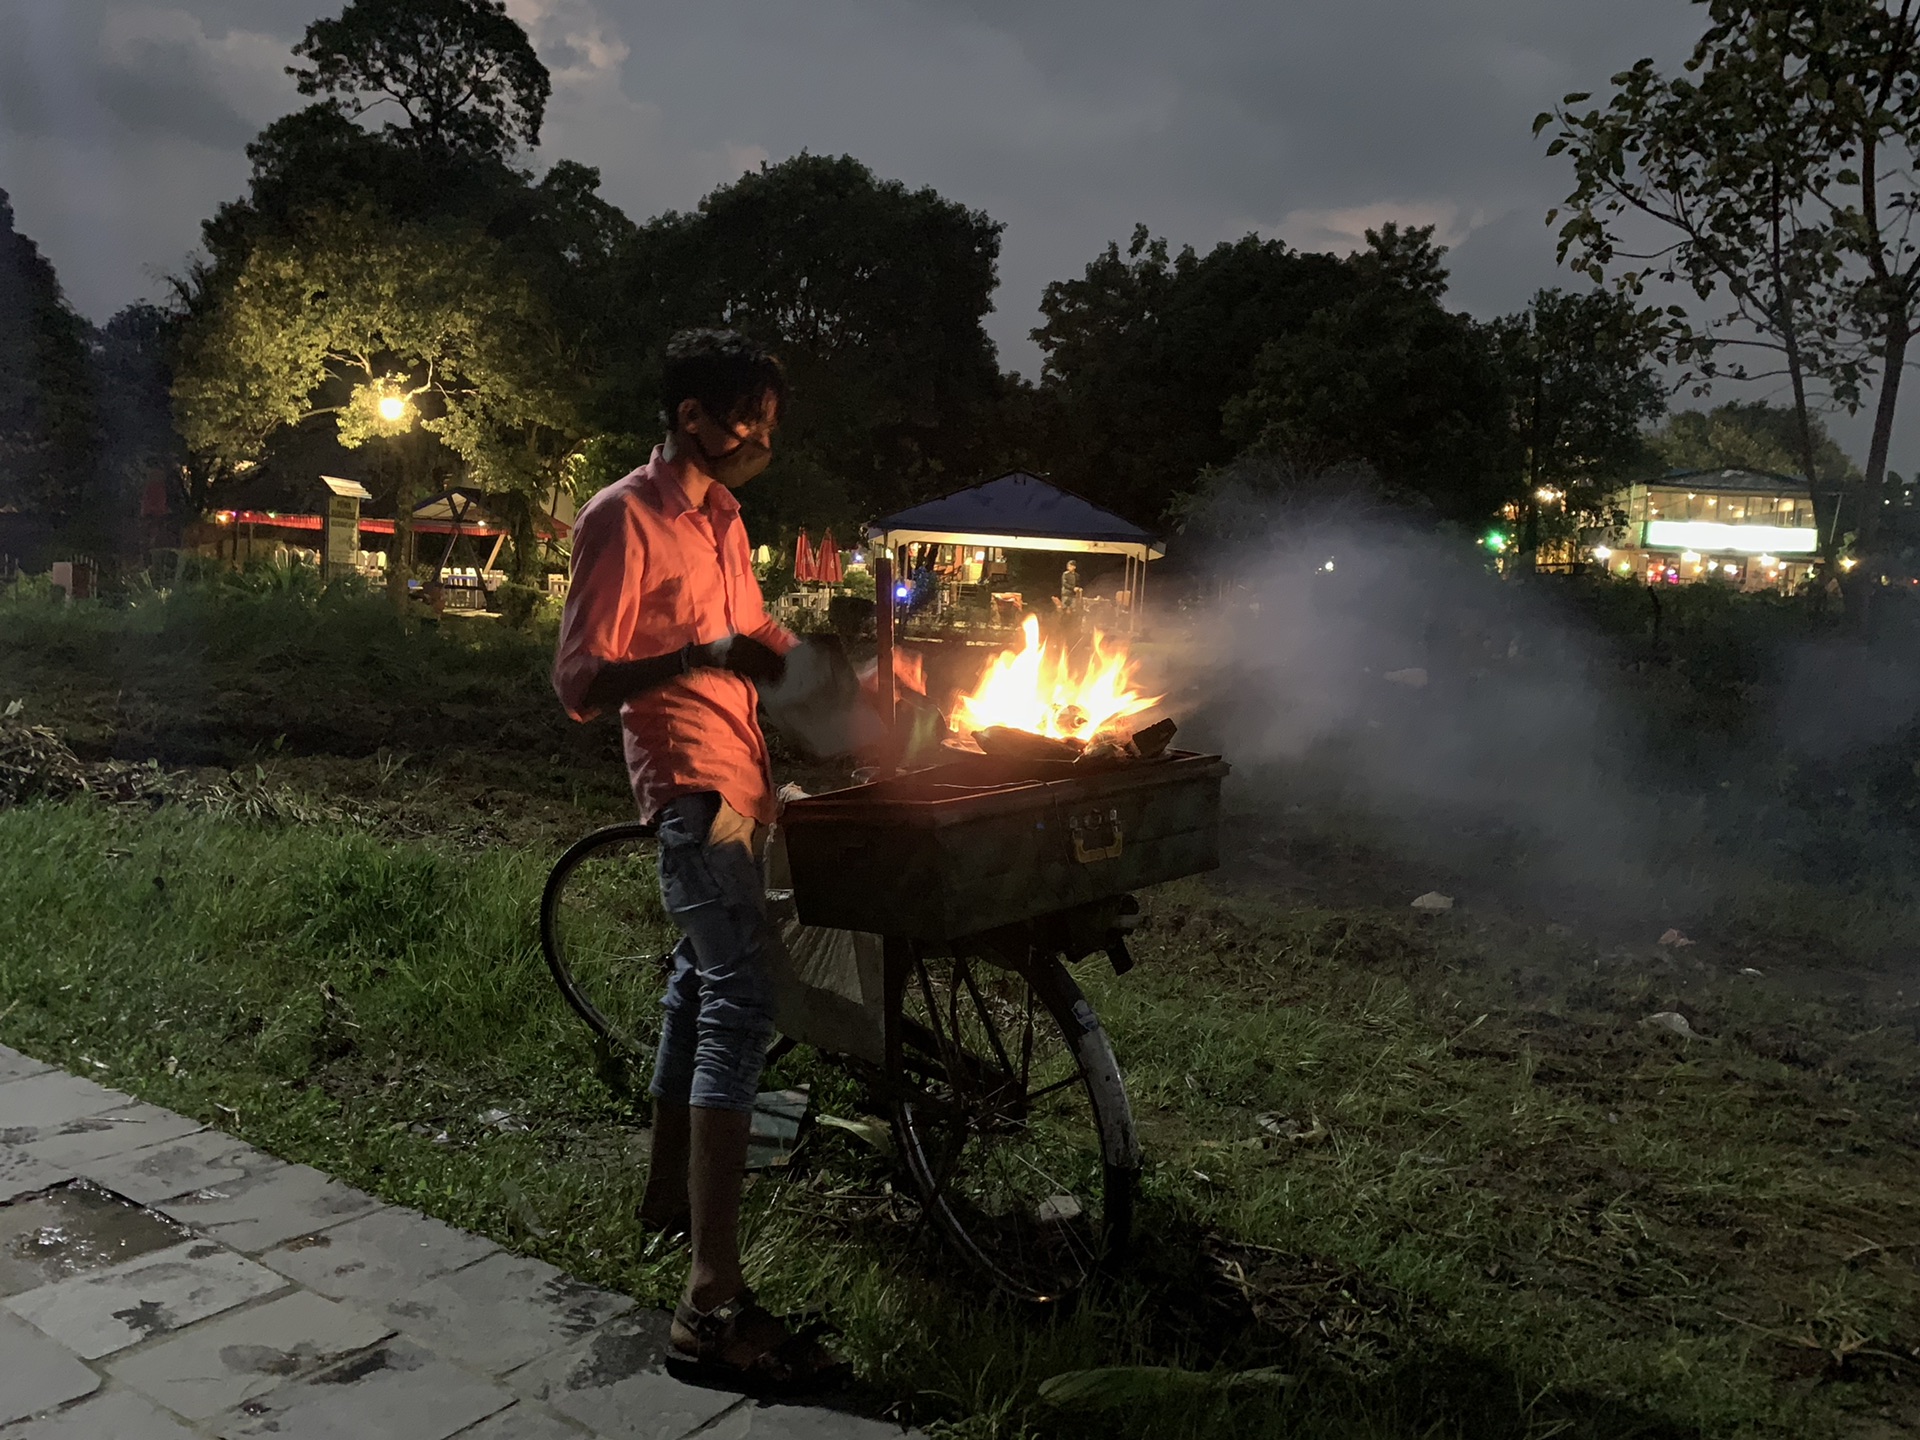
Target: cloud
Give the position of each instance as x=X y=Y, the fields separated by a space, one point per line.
x=1344 y=230
x=1067 y=122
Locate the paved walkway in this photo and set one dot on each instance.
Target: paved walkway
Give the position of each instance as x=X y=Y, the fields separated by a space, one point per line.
x=160 y=1280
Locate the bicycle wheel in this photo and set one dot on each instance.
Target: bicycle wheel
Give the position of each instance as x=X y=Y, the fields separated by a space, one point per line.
x=605 y=932
x=1021 y=1141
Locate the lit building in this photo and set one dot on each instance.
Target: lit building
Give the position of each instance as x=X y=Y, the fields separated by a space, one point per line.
x=1748 y=528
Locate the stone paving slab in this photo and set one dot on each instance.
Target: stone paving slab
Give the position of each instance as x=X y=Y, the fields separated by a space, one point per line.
x=206 y=1159
x=215 y=1366
x=377 y=1258
x=53 y=1097
x=270 y=1208
x=245 y=1349
x=89 y=1140
x=72 y=1229
x=110 y=1415
x=13 y=1065
x=396 y=1391
x=502 y=1312
x=107 y=1310
x=37 y=1373
x=525 y=1421
x=21 y=1174
x=615 y=1383
x=762 y=1421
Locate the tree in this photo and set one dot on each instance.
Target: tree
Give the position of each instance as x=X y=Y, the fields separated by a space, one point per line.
x=1389 y=378
x=462 y=72
x=465 y=80
x=872 y=293
x=47 y=423
x=1145 y=350
x=132 y=361
x=1780 y=167
x=414 y=337
x=1750 y=435
x=1583 y=383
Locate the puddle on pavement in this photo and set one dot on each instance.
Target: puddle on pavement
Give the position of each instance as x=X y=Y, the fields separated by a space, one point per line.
x=74 y=1228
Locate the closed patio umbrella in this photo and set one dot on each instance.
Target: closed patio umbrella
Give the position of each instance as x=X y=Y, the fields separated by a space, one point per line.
x=805 y=567
x=827 y=567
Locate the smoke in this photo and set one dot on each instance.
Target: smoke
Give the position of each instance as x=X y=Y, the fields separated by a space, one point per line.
x=1360 y=670
x=1543 y=744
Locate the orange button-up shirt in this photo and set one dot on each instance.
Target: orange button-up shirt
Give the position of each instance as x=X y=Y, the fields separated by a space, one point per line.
x=652 y=573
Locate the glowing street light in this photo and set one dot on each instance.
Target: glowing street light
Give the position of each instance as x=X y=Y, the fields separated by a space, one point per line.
x=392 y=408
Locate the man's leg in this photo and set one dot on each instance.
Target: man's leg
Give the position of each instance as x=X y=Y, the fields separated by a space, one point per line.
x=714 y=889
x=716 y=1174
x=664 y=1205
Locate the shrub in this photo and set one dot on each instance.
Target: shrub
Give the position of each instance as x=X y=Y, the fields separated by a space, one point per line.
x=517 y=603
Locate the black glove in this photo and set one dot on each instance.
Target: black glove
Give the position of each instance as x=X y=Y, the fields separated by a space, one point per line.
x=743 y=655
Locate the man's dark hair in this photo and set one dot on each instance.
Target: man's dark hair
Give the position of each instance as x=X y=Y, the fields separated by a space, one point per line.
x=722 y=369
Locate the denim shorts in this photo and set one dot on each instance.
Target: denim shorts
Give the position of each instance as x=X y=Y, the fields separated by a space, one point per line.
x=719 y=1001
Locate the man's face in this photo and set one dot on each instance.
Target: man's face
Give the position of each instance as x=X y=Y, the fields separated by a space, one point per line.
x=735 y=450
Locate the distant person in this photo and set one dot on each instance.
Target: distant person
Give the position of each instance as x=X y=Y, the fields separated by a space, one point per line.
x=1070 y=585
x=664 y=619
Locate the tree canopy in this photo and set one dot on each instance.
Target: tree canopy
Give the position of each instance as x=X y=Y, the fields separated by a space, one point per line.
x=1584 y=385
x=872 y=293
x=374 y=327
x=1749 y=435
x=47 y=423
x=1144 y=351
x=1388 y=377
x=462 y=72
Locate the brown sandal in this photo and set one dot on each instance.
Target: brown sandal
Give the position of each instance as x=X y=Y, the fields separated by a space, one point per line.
x=701 y=1340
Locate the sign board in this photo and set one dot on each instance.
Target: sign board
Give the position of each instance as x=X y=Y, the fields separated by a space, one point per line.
x=1708 y=537
x=342 y=547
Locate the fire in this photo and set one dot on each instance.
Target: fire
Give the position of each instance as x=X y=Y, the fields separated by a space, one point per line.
x=1037 y=690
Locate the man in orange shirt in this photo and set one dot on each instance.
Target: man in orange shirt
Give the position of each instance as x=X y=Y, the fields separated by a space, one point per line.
x=664 y=619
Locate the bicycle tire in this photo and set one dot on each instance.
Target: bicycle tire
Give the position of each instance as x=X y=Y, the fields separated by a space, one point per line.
x=1119 y=1155
x=552 y=941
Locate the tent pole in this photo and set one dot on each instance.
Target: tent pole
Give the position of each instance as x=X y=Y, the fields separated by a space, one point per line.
x=883 y=638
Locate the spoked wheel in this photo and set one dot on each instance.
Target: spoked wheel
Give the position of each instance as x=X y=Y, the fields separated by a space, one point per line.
x=1021 y=1141
x=604 y=929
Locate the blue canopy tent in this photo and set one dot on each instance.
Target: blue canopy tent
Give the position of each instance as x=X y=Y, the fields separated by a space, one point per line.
x=1019 y=511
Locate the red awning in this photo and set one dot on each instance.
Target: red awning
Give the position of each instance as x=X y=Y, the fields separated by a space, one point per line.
x=371 y=526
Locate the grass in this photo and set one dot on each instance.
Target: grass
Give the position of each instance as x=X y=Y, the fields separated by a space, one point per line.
x=1530 y=1215
x=1522 y=1212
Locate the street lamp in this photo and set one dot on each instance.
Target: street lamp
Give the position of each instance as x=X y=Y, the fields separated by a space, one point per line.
x=393 y=408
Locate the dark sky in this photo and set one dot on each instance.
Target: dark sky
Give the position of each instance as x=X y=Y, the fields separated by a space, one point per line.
x=122 y=123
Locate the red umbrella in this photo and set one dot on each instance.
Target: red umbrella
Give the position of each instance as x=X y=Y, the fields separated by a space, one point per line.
x=805 y=567
x=827 y=568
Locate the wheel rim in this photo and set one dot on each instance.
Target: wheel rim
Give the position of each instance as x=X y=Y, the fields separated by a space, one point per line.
x=1006 y=1145
x=606 y=933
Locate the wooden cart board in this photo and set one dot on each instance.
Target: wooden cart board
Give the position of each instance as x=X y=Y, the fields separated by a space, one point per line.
x=977 y=844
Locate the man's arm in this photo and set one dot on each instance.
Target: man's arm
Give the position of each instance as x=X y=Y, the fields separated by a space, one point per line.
x=618 y=681
x=602 y=609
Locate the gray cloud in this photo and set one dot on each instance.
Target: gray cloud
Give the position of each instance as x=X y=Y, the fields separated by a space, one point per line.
x=122 y=121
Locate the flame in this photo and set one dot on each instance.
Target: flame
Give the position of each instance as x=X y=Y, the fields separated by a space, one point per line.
x=1036 y=689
